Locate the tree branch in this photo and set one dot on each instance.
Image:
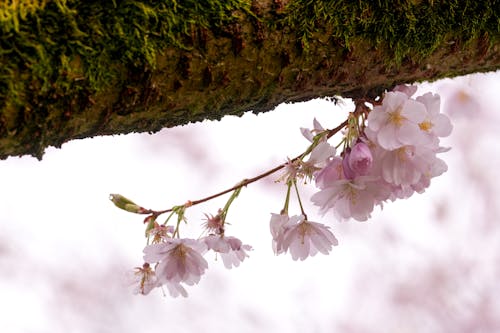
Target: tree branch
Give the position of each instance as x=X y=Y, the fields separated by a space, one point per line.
x=78 y=69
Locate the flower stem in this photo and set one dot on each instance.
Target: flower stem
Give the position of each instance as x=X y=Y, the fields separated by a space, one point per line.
x=245 y=182
x=287 y=199
x=233 y=196
x=298 y=198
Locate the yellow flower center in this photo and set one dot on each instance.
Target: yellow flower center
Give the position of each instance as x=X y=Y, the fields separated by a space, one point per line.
x=396 y=118
x=180 y=251
x=425 y=126
x=405 y=153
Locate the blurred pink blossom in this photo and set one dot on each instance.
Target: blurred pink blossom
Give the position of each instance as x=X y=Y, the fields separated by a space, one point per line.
x=409 y=90
x=179 y=260
x=143 y=279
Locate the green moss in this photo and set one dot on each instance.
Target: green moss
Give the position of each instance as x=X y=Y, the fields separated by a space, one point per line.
x=92 y=41
x=408 y=28
x=59 y=57
x=42 y=39
x=12 y=12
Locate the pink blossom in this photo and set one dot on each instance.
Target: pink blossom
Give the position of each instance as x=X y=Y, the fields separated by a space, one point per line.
x=406 y=165
x=214 y=223
x=409 y=90
x=175 y=289
x=304 y=238
x=435 y=123
x=348 y=172
x=231 y=249
x=217 y=243
x=395 y=123
x=331 y=172
x=179 y=260
x=160 y=232
x=290 y=171
x=278 y=226
x=236 y=254
x=352 y=198
x=360 y=159
x=310 y=134
x=463 y=102
x=143 y=279
x=320 y=155
x=436 y=168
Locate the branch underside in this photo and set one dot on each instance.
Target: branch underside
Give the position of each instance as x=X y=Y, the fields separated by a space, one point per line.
x=78 y=69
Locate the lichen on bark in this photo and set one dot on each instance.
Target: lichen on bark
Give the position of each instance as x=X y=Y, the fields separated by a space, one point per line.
x=74 y=69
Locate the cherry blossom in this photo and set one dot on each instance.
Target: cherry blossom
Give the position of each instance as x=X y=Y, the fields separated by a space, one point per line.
x=305 y=238
x=435 y=124
x=215 y=223
x=179 y=260
x=395 y=123
x=175 y=289
x=143 y=279
x=463 y=102
x=346 y=169
x=437 y=168
x=231 y=249
x=320 y=155
x=160 y=233
x=360 y=159
x=409 y=90
x=290 y=171
x=310 y=134
x=278 y=226
x=388 y=153
x=406 y=165
x=332 y=171
x=351 y=198
x=236 y=254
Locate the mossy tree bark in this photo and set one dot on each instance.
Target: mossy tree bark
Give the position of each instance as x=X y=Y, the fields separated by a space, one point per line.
x=76 y=69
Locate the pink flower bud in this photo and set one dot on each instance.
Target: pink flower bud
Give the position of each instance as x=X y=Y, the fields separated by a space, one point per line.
x=348 y=171
x=360 y=159
x=409 y=90
x=330 y=173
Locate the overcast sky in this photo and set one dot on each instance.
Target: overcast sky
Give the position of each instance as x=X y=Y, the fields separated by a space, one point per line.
x=426 y=264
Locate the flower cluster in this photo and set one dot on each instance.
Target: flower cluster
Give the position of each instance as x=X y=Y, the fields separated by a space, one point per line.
x=392 y=156
x=388 y=151
x=179 y=261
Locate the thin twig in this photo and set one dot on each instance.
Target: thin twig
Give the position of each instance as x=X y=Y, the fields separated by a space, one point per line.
x=245 y=182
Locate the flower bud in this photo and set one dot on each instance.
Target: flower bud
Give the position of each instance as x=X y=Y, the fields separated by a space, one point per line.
x=409 y=90
x=360 y=159
x=123 y=203
x=330 y=173
x=346 y=168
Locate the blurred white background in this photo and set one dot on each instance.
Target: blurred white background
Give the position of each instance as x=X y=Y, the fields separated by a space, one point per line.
x=427 y=264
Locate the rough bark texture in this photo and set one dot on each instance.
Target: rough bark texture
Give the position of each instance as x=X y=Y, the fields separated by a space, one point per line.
x=76 y=69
